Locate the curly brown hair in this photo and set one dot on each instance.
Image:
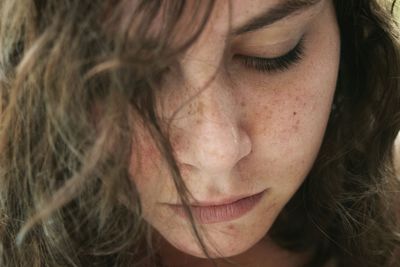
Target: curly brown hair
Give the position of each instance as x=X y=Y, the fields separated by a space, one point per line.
x=66 y=198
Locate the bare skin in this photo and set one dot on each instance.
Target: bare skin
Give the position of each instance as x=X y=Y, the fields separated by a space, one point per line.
x=264 y=253
x=246 y=132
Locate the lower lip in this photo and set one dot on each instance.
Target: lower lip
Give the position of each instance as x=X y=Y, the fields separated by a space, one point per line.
x=221 y=213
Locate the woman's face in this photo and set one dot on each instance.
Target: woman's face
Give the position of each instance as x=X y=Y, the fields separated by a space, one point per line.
x=240 y=124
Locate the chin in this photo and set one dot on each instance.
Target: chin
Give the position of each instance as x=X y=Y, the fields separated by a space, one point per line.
x=221 y=252
x=221 y=242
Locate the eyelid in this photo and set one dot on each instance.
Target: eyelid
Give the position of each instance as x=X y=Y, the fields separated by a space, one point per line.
x=271 y=48
x=273 y=64
x=266 y=48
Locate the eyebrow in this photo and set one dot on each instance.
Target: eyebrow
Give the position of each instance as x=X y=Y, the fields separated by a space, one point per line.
x=274 y=14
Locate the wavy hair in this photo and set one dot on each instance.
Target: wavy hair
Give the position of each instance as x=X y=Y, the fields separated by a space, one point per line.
x=66 y=198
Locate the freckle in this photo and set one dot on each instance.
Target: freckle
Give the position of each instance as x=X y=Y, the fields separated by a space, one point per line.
x=296 y=126
x=294 y=113
x=200 y=108
x=242 y=104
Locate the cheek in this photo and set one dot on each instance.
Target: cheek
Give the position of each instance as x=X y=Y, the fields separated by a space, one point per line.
x=145 y=157
x=146 y=168
x=294 y=106
x=286 y=118
x=287 y=133
x=290 y=110
x=304 y=118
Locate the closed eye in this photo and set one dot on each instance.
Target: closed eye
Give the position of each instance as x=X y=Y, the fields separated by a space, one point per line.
x=276 y=64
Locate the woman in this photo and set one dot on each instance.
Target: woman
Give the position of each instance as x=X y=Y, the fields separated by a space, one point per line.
x=227 y=133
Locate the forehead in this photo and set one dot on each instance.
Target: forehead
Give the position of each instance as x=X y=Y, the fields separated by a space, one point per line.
x=242 y=11
x=228 y=16
x=253 y=14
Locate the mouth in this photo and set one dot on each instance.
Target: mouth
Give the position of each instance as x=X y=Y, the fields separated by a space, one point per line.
x=206 y=213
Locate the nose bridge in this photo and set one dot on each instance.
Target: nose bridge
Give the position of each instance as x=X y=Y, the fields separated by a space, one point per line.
x=217 y=130
x=211 y=138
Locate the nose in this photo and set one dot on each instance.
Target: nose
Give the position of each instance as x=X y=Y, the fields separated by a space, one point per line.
x=207 y=133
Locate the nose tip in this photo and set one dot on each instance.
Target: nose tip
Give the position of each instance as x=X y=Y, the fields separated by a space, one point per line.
x=219 y=147
x=211 y=139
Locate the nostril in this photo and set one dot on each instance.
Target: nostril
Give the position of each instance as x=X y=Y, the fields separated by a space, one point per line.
x=186 y=170
x=219 y=151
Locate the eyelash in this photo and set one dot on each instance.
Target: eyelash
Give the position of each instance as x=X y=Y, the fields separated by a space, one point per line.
x=277 y=64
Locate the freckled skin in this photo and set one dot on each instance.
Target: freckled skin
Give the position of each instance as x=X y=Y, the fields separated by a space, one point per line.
x=242 y=134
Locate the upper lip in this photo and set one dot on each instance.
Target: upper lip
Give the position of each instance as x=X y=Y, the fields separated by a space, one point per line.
x=220 y=202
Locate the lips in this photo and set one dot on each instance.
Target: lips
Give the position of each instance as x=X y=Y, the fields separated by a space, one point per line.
x=207 y=214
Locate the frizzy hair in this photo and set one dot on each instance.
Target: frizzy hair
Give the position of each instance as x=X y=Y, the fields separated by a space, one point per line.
x=75 y=74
